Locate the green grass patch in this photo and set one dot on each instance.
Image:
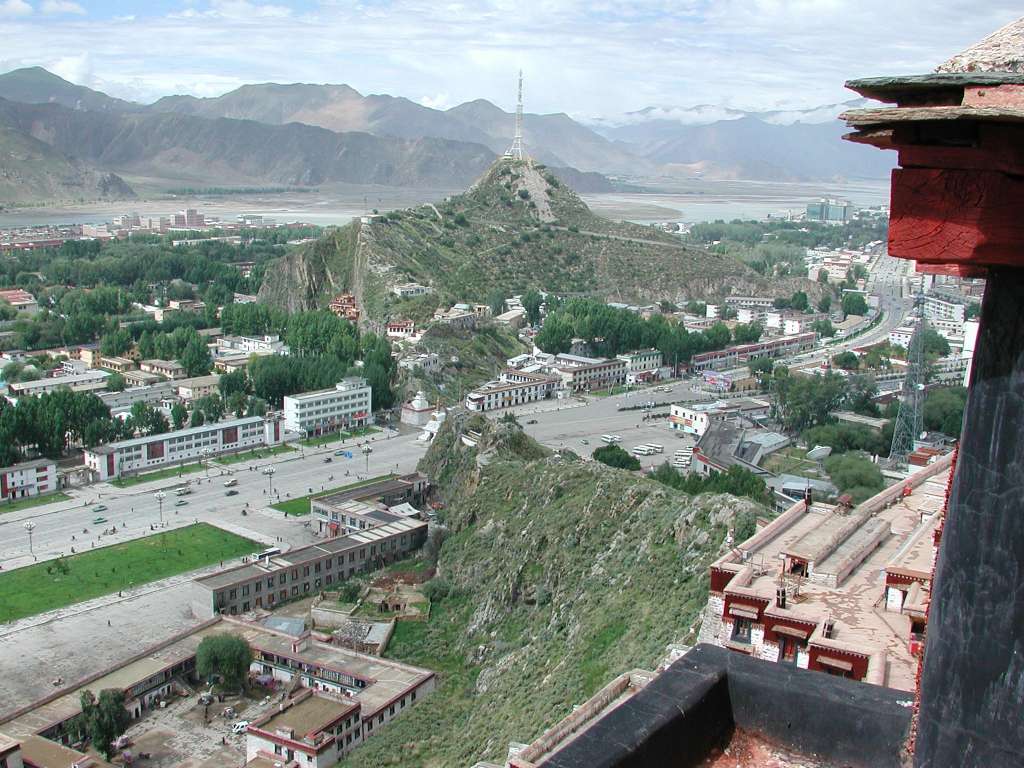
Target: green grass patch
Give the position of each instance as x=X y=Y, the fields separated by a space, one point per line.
x=333 y=437
x=160 y=474
x=255 y=453
x=32 y=501
x=57 y=583
x=300 y=506
x=791 y=461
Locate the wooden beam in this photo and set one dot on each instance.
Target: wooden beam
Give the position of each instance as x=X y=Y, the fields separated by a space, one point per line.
x=959 y=217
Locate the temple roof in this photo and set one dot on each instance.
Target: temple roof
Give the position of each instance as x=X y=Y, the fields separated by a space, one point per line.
x=1002 y=51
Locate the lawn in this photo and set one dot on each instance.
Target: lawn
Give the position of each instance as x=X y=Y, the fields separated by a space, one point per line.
x=791 y=461
x=300 y=506
x=57 y=583
x=160 y=474
x=32 y=501
x=255 y=453
x=333 y=437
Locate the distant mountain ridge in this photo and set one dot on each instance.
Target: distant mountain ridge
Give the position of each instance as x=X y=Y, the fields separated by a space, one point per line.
x=302 y=134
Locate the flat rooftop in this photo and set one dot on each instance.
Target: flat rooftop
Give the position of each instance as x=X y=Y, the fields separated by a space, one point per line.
x=850 y=552
x=308 y=717
x=386 y=680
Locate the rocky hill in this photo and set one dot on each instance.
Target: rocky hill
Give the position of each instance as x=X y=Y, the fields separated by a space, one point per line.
x=33 y=172
x=519 y=227
x=183 y=147
x=35 y=85
x=555 y=585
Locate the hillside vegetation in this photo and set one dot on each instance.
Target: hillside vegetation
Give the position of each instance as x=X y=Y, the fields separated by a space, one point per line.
x=519 y=227
x=557 y=576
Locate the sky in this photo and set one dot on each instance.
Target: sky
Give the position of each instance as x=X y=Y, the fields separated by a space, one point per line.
x=592 y=59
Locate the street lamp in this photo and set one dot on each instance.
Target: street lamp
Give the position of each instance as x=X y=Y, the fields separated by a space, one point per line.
x=367 y=450
x=160 y=496
x=30 y=526
x=206 y=453
x=269 y=472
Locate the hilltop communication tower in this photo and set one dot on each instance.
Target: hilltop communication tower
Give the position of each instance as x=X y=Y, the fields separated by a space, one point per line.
x=909 y=420
x=515 y=152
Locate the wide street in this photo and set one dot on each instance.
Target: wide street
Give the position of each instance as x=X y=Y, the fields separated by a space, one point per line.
x=135 y=509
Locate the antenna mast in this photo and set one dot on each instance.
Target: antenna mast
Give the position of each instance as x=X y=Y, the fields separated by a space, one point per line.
x=515 y=152
x=909 y=420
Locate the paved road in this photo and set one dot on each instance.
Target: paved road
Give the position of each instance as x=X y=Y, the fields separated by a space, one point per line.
x=133 y=510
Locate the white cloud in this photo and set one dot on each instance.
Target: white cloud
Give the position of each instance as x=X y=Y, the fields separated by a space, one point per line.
x=14 y=8
x=55 y=7
x=440 y=101
x=602 y=58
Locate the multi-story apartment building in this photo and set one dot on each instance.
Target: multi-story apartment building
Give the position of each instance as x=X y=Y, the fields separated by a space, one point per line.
x=196 y=387
x=305 y=571
x=248 y=345
x=29 y=478
x=641 y=360
x=312 y=730
x=169 y=369
x=90 y=381
x=939 y=309
x=580 y=373
x=513 y=388
x=154 y=394
x=154 y=451
x=346 y=405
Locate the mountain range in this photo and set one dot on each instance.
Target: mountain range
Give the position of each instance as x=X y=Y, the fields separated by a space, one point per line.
x=58 y=139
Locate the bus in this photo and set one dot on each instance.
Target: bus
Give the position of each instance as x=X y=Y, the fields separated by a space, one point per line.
x=656 y=448
x=611 y=439
x=183 y=491
x=643 y=450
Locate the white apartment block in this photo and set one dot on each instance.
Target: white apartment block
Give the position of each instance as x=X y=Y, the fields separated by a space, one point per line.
x=345 y=405
x=763 y=303
x=513 y=388
x=408 y=290
x=90 y=381
x=641 y=360
x=693 y=419
x=748 y=315
x=900 y=337
x=940 y=309
x=155 y=451
x=248 y=345
x=29 y=478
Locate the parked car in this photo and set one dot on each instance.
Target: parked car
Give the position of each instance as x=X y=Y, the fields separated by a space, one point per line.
x=532 y=421
x=180 y=503
x=99 y=520
x=230 y=492
x=99 y=508
x=240 y=726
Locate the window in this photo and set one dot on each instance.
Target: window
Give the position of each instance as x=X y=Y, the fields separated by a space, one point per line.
x=233 y=594
x=245 y=589
x=305 y=570
x=741 y=630
x=259 y=586
x=295 y=591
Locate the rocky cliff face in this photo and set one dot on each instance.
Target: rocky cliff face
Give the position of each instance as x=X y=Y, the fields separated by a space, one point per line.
x=560 y=574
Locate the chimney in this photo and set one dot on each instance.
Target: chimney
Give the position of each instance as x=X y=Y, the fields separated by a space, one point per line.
x=780 y=597
x=828 y=629
x=808 y=496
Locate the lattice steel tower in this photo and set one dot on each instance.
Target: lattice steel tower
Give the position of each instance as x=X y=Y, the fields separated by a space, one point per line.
x=515 y=152
x=909 y=420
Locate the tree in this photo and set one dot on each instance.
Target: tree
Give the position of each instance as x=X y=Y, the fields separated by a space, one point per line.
x=856 y=475
x=944 y=410
x=854 y=304
x=935 y=344
x=804 y=401
x=104 y=719
x=531 y=303
x=614 y=456
x=212 y=407
x=196 y=357
x=747 y=334
x=848 y=361
x=226 y=655
x=825 y=303
x=496 y=301
x=823 y=328
x=236 y=403
x=179 y=415
x=197 y=419
x=115 y=382
x=798 y=301
x=861 y=394
x=235 y=381
x=116 y=342
x=823 y=276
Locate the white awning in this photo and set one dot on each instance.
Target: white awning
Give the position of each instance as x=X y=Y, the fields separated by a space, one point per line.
x=745 y=612
x=828 y=661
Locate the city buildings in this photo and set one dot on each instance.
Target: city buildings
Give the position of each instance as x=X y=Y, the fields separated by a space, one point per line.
x=344 y=406
x=834 y=589
x=249 y=345
x=23 y=301
x=410 y=290
x=28 y=478
x=140 y=454
x=830 y=211
x=344 y=305
x=514 y=318
x=369 y=505
x=641 y=361
x=169 y=369
x=90 y=381
x=580 y=373
x=515 y=387
x=400 y=329
x=196 y=387
x=301 y=572
x=310 y=728
x=730 y=357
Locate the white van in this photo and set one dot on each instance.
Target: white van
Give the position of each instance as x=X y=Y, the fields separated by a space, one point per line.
x=608 y=438
x=231 y=483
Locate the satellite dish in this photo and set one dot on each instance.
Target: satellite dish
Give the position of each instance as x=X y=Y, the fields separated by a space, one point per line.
x=819 y=452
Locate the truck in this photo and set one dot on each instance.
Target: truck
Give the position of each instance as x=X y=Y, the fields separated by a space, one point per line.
x=183 y=491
